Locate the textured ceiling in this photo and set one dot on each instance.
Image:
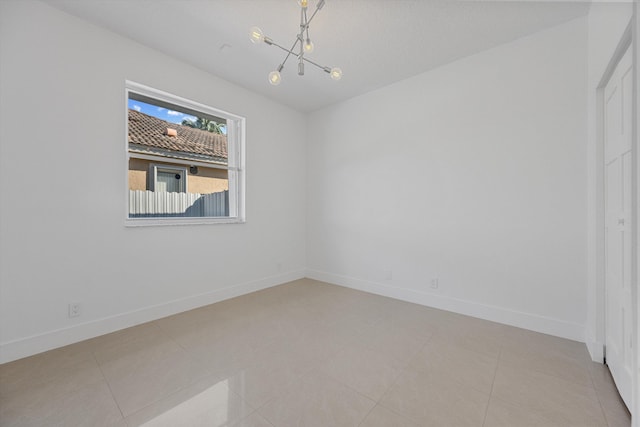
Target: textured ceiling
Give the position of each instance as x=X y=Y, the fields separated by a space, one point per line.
x=375 y=42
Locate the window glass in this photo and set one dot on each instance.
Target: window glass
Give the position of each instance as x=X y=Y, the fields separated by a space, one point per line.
x=184 y=160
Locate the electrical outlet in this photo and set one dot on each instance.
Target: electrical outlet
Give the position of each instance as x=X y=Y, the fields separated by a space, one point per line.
x=434 y=283
x=279 y=267
x=74 y=309
x=388 y=275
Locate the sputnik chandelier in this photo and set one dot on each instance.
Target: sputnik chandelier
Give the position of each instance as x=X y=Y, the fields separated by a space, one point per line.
x=303 y=45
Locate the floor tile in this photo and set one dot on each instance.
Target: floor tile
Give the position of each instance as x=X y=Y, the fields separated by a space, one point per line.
x=420 y=320
x=65 y=366
x=89 y=405
x=181 y=323
x=392 y=341
x=208 y=402
x=432 y=399
x=615 y=410
x=367 y=371
x=307 y=353
x=383 y=417
x=532 y=342
x=50 y=388
x=142 y=377
x=318 y=401
x=317 y=345
x=54 y=380
x=613 y=421
x=554 y=364
x=124 y=343
x=557 y=398
x=476 y=335
x=462 y=365
x=218 y=351
x=253 y=420
x=602 y=379
x=505 y=414
x=268 y=376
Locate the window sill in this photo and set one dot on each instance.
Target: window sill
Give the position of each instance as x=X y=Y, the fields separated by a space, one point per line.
x=154 y=222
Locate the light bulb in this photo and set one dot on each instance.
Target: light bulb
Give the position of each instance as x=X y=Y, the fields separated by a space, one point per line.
x=303 y=3
x=336 y=73
x=274 y=78
x=308 y=46
x=256 y=35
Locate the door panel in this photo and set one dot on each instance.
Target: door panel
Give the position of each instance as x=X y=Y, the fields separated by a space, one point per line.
x=618 y=263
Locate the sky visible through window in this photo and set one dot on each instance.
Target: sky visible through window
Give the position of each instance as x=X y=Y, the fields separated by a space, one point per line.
x=165 y=114
x=161 y=113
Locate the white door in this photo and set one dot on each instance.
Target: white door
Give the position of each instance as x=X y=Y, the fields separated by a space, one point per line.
x=618 y=234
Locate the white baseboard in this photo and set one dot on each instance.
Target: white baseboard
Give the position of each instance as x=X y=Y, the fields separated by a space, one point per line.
x=533 y=322
x=29 y=346
x=596 y=350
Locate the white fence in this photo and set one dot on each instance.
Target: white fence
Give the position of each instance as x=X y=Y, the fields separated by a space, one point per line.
x=150 y=204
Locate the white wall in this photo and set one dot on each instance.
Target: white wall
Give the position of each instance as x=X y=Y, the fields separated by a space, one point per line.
x=62 y=181
x=606 y=26
x=474 y=174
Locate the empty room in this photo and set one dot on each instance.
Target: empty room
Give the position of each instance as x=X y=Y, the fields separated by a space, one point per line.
x=331 y=213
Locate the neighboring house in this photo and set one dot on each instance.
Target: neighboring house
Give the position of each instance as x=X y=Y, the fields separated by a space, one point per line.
x=174 y=158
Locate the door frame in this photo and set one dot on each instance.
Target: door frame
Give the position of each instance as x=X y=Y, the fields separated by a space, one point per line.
x=629 y=40
x=635 y=287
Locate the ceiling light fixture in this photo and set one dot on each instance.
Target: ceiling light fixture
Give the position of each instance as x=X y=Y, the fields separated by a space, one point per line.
x=303 y=45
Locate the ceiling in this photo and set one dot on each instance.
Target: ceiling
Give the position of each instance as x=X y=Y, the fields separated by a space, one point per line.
x=374 y=42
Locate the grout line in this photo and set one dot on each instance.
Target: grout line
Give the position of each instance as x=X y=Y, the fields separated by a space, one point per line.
x=401 y=372
x=104 y=377
x=367 y=414
x=602 y=396
x=566 y=358
x=192 y=359
x=593 y=385
x=403 y=369
x=402 y=416
x=495 y=374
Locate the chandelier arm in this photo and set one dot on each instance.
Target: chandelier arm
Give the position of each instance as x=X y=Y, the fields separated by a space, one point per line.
x=317 y=65
x=318 y=7
x=291 y=52
x=301 y=54
x=306 y=23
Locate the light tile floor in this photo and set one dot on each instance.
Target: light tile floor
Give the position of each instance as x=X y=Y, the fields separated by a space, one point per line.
x=311 y=354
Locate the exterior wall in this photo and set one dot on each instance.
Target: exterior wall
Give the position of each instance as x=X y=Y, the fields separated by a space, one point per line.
x=138 y=170
x=207 y=180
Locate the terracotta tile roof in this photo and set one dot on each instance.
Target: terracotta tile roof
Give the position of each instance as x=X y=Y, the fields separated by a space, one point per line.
x=152 y=132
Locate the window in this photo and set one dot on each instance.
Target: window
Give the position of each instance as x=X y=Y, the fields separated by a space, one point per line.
x=169 y=179
x=184 y=160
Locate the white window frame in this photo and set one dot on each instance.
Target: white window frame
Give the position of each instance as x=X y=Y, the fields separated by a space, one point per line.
x=235 y=162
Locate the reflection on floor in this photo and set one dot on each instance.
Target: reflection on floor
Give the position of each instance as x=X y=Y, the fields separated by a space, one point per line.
x=311 y=354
